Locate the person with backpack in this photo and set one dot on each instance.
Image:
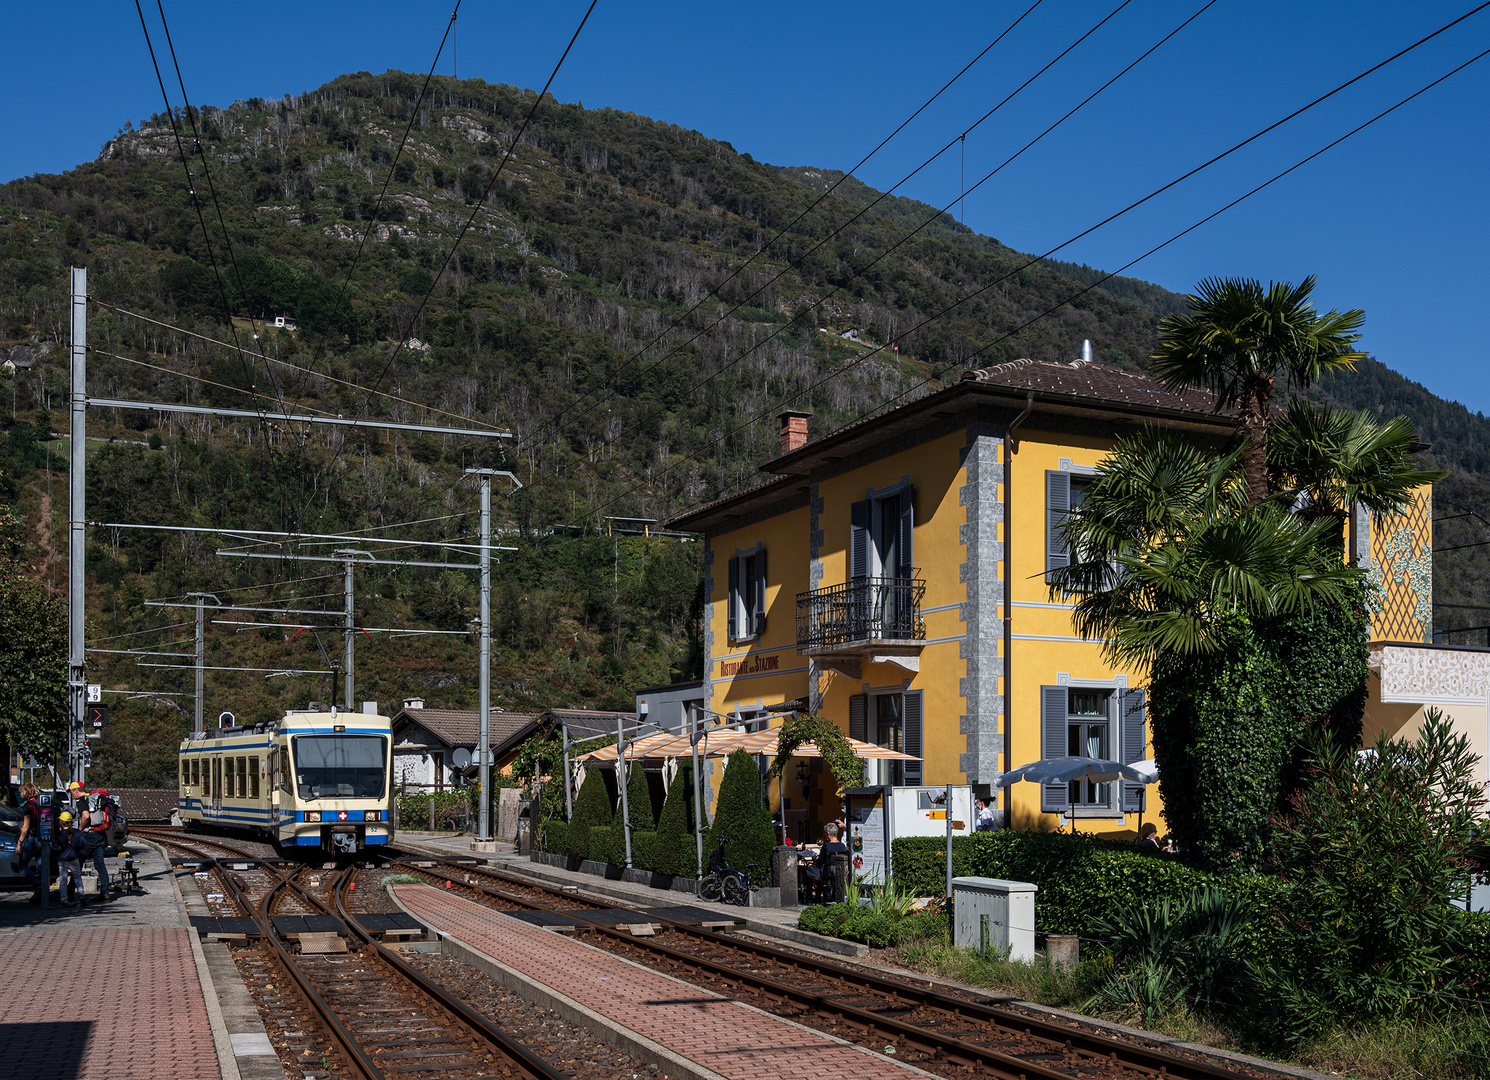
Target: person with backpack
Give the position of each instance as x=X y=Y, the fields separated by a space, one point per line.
x=28 y=840
x=67 y=853
x=95 y=834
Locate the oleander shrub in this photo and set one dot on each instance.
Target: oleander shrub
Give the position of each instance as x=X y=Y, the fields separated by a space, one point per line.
x=592 y=807
x=741 y=818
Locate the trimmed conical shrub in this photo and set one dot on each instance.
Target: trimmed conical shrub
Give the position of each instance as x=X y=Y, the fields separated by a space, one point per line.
x=592 y=806
x=741 y=820
x=677 y=849
x=639 y=802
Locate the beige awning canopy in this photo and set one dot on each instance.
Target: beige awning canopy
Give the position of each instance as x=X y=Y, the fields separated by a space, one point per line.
x=724 y=743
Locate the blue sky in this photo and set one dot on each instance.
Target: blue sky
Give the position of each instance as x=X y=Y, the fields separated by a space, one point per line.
x=1393 y=221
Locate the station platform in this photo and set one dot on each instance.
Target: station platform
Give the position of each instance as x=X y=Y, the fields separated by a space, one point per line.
x=124 y=990
x=684 y=1029
x=779 y=923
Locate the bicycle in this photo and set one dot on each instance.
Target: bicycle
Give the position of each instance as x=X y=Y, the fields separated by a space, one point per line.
x=725 y=883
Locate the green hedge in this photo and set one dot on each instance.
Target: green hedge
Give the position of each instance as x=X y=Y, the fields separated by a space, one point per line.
x=592 y=806
x=602 y=843
x=875 y=928
x=676 y=850
x=452 y=810
x=1081 y=878
x=741 y=819
x=556 y=836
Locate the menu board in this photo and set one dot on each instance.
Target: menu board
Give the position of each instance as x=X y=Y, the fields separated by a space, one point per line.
x=867 y=834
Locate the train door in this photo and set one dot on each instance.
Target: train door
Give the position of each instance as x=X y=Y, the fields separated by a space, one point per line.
x=271 y=782
x=216 y=785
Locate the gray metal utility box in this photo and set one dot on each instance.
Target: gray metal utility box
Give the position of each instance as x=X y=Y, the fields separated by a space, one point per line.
x=994 y=914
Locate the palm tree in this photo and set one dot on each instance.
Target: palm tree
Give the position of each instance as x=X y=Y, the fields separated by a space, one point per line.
x=1238 y=339
x=1326 y=461
x=1165 y=547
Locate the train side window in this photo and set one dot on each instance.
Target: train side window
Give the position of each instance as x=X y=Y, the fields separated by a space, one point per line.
x=215 y=788
x=253 y=777
x=196 y=772
x=185 y=773
x=243 y=778
x=284 y=770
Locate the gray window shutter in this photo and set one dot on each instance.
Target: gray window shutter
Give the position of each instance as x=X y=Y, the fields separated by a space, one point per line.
x=858 y=712
x=1057 y=506
x=907 y=532
x=734 y=599
x=1054 y=797
x=1135 y=740
x=912 y=718
x=758 y=617
x=859 y=540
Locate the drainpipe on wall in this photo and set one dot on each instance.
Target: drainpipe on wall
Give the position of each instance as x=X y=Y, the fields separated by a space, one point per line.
x=1009 y=446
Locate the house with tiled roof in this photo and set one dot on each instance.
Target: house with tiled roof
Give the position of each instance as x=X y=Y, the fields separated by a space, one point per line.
x=433 y=748
x=894 y=574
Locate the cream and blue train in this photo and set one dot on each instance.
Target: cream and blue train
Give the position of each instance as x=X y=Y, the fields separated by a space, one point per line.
x=316 y=779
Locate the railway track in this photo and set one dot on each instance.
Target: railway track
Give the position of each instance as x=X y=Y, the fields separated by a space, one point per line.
x=940 y=1032
x=364 y=1013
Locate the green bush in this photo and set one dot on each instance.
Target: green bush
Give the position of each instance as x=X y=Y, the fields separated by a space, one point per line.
x=602 y=844
x=592 y=806
x=453 y=810
x=741 y=819
x=556 y=837
x=928 y=926
x=1082 y=878
x=644 y=849
x=676 y=850
x=1229 y=726
x=875 y=928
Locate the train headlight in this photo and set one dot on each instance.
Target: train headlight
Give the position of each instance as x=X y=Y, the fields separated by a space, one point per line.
x=312 y=815
x=372 y=815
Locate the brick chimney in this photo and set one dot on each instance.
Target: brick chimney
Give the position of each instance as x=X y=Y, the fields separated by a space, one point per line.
x=793 y=429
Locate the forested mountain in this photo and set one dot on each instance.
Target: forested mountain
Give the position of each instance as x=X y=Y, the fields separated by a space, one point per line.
x=555 y=320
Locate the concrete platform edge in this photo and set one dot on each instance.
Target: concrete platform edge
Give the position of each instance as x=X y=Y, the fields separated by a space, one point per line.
x=603 y=1027
x=227 y=1063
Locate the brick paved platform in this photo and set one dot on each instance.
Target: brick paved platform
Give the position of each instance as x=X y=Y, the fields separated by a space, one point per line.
x=104 y=1004
x=712 y=1031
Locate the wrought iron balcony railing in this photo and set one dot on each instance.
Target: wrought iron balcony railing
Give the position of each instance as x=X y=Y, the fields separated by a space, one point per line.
x=864 y=609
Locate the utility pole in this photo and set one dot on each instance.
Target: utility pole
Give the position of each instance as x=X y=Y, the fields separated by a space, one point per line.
x=350 y=631
x=201 y=598
x=483 y=706
x=77 y=675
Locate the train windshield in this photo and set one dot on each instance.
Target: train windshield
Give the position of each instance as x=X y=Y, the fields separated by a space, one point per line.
x=339 y=766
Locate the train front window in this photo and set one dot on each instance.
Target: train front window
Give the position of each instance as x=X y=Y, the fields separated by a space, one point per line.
x=339 y=766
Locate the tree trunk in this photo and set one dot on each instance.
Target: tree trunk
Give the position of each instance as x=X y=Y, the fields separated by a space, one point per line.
x=1255 y=398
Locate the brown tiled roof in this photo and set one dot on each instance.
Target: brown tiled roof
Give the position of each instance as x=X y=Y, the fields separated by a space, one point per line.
x=1102 y=382
x=460 y=727
x=146 y=804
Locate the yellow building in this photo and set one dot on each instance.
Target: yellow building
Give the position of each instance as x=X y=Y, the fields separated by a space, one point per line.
x=893 y=576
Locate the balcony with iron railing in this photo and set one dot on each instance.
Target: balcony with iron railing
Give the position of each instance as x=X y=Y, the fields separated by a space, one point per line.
x=871 y=617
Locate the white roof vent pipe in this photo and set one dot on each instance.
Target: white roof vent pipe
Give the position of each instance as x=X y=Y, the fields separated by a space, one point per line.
x=1086 y=351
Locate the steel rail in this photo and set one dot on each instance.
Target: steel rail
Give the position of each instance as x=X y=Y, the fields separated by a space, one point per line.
x=1096 y=1047
x=523 y=1060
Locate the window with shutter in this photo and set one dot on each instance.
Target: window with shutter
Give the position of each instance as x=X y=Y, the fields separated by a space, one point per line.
x=1135 y=741
x=734 y=599
x=1057 y=506
x=859 y=540
x=858 y=711
x=758 y=592
x=914 y=770
x=906 y=560
x=1054 y=797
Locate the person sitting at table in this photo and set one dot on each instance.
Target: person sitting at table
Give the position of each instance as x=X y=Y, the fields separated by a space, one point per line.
x=819 y=880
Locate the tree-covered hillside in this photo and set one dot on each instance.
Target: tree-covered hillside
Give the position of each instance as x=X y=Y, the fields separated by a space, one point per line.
x=555 y=320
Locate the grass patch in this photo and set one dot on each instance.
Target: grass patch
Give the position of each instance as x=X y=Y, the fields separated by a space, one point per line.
x=401 y=879
x=1452 y=1048
x=1027 y=980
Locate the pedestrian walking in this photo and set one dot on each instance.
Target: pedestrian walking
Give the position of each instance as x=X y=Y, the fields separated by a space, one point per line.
x=28 y=840
x=94 y=826
x=67 y=850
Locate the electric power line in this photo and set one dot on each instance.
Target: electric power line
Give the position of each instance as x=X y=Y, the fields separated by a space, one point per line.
x=859 y=360
x=886 y=253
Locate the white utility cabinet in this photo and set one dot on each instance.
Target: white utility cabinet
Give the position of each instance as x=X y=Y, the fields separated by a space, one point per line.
x=991 y=914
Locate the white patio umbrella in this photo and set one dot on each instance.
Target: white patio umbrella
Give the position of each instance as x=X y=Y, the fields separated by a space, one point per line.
x=1097 y=770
